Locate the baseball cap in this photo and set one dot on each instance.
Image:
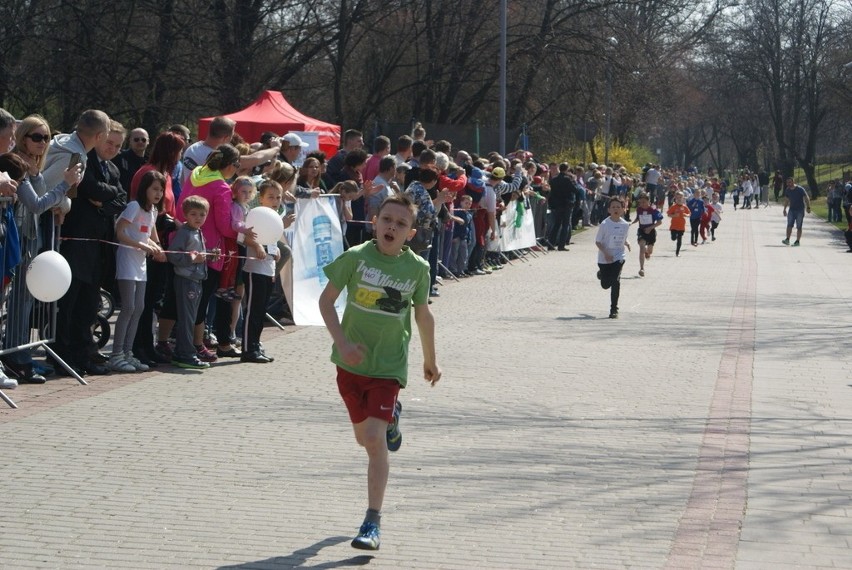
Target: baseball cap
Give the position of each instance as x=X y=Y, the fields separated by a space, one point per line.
x=475 y=178
x=293 y=140
x=498 y=173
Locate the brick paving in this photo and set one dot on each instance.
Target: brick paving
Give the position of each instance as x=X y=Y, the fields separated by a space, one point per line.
x=708 y=427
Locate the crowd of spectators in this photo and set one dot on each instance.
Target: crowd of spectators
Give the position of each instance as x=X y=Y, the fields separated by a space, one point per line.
x=83 y=181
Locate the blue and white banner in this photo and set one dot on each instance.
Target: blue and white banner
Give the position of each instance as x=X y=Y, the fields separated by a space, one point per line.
x=316 y=240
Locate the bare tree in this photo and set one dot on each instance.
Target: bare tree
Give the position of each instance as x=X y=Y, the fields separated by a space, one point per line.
x=783 y=48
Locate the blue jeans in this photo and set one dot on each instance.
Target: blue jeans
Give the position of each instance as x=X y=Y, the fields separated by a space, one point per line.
x=795 y=217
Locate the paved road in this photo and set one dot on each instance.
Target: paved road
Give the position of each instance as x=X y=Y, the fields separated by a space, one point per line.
x=708 y=427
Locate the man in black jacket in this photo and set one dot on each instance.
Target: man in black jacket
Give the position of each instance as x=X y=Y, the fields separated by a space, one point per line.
x=561 y=203
x=100 y=197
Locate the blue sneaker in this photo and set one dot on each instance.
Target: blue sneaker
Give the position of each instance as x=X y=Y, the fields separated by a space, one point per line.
x=368 y=537
x=394 y=436
x=43 y=369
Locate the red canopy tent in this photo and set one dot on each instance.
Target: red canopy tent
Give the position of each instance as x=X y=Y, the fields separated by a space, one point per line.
x=272 y=112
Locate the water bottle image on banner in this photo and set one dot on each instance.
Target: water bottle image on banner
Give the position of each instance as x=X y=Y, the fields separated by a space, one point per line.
x=322 y=243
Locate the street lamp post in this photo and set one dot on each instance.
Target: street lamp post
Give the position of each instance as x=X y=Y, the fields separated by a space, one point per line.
x=608 y=111
x=614 y=43
x=503 y=86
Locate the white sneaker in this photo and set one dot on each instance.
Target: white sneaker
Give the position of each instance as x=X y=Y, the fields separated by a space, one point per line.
x=118 y=363
x=135 y=362
x=8 y=383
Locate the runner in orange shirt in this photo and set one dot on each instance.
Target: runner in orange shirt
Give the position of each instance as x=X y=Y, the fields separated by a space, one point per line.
x=678 y=212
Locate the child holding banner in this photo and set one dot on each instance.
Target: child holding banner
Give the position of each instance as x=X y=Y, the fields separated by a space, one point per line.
x=383 y=279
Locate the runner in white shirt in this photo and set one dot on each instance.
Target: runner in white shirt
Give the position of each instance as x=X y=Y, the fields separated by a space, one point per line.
x=611 y=240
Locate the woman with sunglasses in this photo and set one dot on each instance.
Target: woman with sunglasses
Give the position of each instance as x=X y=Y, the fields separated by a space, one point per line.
x=32 y=138
x=165 y=155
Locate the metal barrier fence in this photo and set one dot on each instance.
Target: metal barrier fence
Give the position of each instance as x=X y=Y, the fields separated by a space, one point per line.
x=26 y=324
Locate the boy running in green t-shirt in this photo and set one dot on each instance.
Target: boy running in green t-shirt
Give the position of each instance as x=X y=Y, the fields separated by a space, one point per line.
x=383 y=279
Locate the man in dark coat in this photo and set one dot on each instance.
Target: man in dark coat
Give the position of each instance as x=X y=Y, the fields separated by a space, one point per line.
x=100 y=197
x=563 y=192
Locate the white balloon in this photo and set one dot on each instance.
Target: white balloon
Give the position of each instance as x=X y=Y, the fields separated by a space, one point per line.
x=48 y=276
x=266 y=223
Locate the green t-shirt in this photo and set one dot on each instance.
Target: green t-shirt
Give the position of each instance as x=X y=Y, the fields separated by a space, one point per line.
x=380 y=291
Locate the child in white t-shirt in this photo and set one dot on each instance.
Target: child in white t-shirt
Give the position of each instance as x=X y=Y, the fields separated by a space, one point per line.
x=137 y=234
x=716 y=217
x=259 y=276
x=611 y=240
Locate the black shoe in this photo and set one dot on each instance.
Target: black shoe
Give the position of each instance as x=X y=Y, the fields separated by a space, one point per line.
x=562 y=248
x=230 y=353
x=95 y=369
x=613 y=314
x=60 y=370
x=99 y=358
x=25 y=373
x=255 y=357
x=143 y=357
x=155 y=355
x=263 y=353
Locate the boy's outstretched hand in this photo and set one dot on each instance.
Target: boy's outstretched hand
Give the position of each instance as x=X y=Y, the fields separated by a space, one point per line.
x=431 y=373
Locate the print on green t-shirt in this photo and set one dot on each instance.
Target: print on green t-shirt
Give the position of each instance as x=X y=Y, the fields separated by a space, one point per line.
x=380 y=292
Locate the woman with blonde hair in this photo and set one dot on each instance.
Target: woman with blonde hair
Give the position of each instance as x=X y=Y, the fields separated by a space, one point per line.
x=35 y=200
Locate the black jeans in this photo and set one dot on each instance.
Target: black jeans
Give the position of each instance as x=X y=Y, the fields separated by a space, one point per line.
x=222 y=320
x=160 y=277
x=560 y=230
x=694 y=224
x=258 y=288
x=611 y=279
x=78 y=310
x=677 y=236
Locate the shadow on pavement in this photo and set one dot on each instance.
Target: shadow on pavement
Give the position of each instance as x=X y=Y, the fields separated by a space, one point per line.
x=299 y=558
